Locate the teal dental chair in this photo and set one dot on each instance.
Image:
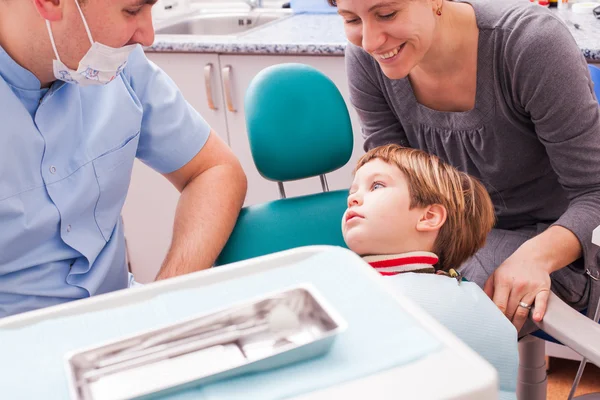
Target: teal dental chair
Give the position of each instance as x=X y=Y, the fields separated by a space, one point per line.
x=298 y=127
x=289 y=144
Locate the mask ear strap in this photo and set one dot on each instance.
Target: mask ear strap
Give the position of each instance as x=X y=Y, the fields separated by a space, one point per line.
x=52 y=40
x=87 y=29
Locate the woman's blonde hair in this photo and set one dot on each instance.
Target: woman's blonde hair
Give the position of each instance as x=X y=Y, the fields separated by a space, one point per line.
x=470 y=212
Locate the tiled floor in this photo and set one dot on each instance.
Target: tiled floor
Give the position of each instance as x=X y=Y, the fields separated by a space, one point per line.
x=560 y=379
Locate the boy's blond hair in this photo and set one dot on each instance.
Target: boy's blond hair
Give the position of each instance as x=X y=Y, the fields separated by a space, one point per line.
x=470 y=212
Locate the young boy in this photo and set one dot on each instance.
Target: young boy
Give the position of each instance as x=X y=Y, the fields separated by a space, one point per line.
x=405 y=200
x=408 y=211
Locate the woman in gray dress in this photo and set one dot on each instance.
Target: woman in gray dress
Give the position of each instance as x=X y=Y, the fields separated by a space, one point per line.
x=501 y=91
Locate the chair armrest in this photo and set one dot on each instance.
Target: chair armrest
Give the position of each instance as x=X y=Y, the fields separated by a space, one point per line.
x=572 y=329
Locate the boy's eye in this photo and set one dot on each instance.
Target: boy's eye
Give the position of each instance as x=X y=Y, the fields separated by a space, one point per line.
x=351 y=21
x=377 y=185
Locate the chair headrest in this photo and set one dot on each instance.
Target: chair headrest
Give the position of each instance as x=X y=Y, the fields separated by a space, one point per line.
x=298 y=123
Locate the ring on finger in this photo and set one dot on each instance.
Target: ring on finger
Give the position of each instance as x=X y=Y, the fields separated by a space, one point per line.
x=525 y=305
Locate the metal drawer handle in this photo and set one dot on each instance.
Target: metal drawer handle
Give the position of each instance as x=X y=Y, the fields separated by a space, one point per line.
x=208 y=86
x=227 y=85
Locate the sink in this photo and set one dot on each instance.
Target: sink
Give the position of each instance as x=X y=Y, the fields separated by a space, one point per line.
x=220 y=23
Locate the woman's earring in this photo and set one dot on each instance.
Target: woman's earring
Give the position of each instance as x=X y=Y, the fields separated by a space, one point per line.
x=439 y=11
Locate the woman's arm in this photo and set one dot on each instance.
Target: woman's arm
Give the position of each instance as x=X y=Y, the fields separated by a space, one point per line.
x=551 y=85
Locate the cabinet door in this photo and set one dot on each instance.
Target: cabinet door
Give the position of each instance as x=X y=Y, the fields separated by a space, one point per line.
x=199 y=78
x=238 y=71
x=149 y=209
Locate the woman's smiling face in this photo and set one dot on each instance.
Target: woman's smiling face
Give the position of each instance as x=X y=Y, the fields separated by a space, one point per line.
x=397 y=33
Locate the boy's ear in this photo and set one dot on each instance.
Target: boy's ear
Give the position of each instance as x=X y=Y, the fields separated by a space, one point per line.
x=432 y=219
x=50 y=10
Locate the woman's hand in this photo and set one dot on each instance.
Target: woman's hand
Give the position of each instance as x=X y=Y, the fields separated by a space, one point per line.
x=524 y=278
x=516 y=285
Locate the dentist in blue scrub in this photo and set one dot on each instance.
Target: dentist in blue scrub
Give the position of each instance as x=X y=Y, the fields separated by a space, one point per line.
x=78 y=103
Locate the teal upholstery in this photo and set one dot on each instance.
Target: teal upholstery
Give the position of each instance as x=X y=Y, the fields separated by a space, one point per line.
x=298 y=123
x=298 y=127
x=285 y=224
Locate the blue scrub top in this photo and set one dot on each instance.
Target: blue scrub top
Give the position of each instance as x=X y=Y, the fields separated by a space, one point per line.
x=66 y=156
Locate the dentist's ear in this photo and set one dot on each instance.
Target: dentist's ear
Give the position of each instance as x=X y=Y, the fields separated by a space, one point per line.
x=50 y=10
x=433 y=218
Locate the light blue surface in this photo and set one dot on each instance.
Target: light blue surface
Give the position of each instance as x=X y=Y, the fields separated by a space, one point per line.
x=66 y=157
x=463 y=309
x=507 y=395
x=595 y=74
x=312 y=6
x=380 y=334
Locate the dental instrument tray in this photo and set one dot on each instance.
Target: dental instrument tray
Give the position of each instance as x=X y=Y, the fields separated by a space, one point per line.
x=269 y=332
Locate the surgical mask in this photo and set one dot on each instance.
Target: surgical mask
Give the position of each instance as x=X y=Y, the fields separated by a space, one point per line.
x=100 y=65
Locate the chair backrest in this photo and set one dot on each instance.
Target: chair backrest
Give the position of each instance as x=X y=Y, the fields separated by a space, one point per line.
x=595 y=74
x=298 y=123
x=298 y=127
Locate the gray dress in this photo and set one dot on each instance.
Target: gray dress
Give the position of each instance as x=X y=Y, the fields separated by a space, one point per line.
x=533 y=137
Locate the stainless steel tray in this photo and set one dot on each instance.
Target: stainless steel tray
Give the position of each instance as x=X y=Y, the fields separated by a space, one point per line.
x=272 y=331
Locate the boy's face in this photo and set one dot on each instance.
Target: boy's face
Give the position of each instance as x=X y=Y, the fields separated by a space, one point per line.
x=378 y=219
